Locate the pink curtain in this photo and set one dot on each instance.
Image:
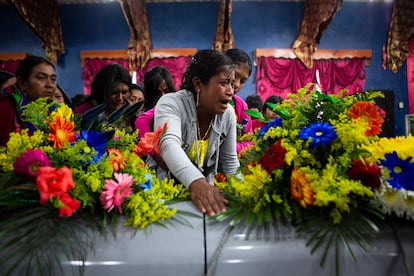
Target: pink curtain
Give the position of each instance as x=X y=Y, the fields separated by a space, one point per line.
x=410 y=78
x=279 y=76
x=9 y=65
x=175 y=65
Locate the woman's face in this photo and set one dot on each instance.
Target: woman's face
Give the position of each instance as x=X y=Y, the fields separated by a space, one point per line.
x=58 y=96
x=163 y=88
x=216 y=95
x=41 y=82
x=118 y=96
x=242 y=74
x=136 y=96
x=270 y=114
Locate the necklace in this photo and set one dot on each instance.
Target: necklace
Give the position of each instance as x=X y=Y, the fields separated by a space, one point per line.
x=207 y=131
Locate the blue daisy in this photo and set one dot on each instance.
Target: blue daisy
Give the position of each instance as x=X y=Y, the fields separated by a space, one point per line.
x=97 y=140
x=321 y=134
x=277 y=122
x=148 y=184
x=401 y=171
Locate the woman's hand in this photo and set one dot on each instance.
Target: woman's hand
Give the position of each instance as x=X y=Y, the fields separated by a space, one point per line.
x=207 y=198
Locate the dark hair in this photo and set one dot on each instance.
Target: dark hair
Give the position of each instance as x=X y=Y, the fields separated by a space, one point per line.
x=152 y=79
x=272 y=99
x=239 y=57
x=67 y=100
x=4 y=76
x=204 y=64
x=137 y=86
x=78 y=99
x=254 y=101
x=105 y=79
x=25 y=66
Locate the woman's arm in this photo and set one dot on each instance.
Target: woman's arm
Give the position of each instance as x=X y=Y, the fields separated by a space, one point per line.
x=167 y=111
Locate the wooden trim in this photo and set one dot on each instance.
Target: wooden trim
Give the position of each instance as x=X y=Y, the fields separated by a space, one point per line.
x=319 y=54
x=13 y=56
x=122 y=54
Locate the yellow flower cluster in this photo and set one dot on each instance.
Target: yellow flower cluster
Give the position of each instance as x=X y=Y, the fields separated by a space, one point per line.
x=332 y=189
x=148 y=207
x=17 y=144
x=394 y=200
x=403 y=145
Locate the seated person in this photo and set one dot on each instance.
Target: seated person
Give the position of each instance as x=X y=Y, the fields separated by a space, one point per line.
x=110 y=86
x=60 y=96
x=112 y=83
x=137 y=94
x=157 y=82
x=267 y=111
x=35 y=78
x=201 y=129
x=255 y=103
x=243 y=71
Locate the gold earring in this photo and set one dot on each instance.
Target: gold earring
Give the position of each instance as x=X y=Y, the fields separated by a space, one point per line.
x=198 y=98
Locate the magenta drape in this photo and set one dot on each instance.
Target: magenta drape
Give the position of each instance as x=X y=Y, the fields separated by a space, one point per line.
x=279 y=76
x=175 y=65
x=410 y=77
x=9 y=65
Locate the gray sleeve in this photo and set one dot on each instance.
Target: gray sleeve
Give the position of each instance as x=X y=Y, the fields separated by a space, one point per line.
x=167 y=111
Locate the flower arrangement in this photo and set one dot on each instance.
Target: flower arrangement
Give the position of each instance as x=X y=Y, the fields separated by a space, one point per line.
x=311 y=167
x=71 y=176
x=395 y=193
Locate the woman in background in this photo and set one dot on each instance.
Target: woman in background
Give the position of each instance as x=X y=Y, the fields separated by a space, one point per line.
x=35 y=78
x=255 y=103
x=110 y=86
x=267 y=111
x=201 y=129
x=137 y=94
x=243 y=71
x=157 y=82
x=60 y=96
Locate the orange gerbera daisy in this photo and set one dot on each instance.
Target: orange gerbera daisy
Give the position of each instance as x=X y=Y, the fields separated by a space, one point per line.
x=300 y=189
x=149 y=143
x=117 y=159
x=61 y=131
x=370 y=113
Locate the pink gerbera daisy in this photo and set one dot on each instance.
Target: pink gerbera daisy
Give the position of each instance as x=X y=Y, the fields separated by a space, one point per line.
x=29 y=162
x=116 y=191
